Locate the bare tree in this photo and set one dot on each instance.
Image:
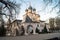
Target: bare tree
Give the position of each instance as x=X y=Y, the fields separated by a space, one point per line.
x=47 y=2
x=10 y=7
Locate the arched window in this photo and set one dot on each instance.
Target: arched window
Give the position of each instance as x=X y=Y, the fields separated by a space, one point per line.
x=37 y=25
x=29 y=29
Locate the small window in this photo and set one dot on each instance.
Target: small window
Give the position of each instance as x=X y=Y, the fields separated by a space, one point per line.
x=37 y=25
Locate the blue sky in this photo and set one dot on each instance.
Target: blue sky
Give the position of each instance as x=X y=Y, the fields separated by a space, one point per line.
x=39 y=5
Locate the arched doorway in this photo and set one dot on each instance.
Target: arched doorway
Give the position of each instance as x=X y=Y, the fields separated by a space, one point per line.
x=37 y=29
x=29 y=29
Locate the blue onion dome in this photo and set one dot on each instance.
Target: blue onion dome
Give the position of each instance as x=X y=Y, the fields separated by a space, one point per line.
x=34 y=9
x=30 y=7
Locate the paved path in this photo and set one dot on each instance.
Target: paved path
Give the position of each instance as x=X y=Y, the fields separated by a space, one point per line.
x=32 y=37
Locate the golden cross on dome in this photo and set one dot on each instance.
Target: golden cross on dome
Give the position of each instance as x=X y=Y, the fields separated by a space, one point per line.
x=29 y=3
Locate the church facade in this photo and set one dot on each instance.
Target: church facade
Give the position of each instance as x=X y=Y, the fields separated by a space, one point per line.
x=29 y=24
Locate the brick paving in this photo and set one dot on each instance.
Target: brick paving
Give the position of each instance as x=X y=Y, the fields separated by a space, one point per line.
x=32 y=37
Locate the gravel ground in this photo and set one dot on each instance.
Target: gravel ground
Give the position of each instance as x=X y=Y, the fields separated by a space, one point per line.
x=32 y=37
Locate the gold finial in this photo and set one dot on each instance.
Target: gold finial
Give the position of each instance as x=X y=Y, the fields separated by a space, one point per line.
x=29 y=3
